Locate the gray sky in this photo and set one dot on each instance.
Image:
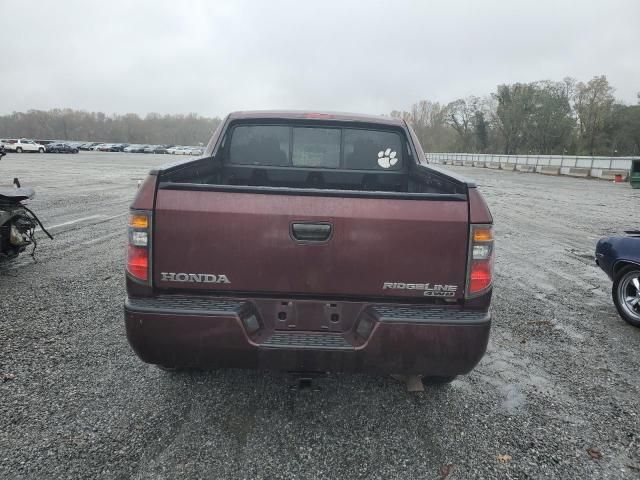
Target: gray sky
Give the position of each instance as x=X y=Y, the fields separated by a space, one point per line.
x=212 y=57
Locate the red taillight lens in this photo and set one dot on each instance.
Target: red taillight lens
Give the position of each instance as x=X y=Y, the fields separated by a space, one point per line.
x=138 y=262
x=480 y=266
x=139 y=245
x=480 y=277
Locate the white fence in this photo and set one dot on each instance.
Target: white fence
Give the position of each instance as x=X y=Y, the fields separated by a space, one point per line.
x=601 y=163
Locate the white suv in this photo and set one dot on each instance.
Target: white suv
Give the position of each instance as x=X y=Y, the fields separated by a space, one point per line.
x=23 y=145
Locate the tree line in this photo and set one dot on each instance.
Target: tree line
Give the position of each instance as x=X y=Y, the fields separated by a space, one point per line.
x=68 y=124
x=544 y=117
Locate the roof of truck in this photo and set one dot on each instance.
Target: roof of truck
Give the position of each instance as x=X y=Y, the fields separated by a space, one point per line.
x=316 y=115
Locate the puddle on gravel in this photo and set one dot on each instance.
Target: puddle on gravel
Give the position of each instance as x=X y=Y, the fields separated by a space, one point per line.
x=512 y=376
x=514 y=399
x=569 y=331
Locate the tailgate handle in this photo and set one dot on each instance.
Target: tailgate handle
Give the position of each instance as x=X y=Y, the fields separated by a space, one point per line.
x=311 y=232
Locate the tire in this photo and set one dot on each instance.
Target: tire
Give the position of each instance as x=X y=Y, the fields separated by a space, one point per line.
x=75 y=150
x=432 y=381
x=41 y=150
x=19 y=150
x=626 y=294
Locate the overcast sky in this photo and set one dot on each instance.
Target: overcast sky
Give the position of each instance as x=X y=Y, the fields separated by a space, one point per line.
x=211 y=57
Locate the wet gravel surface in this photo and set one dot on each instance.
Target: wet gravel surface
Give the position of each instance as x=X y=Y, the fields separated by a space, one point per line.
x=561 y=374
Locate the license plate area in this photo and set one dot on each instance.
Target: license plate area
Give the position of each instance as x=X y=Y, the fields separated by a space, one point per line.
x=309 y=315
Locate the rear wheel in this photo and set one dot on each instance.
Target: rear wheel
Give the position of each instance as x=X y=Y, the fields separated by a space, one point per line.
x=19 y=150
x=41 y=150
x=431 y=381
x=626 y=294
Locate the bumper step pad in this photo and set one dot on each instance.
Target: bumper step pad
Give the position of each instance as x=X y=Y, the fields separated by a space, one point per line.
x=428 y=314
x=320 y=340
x=185 y=305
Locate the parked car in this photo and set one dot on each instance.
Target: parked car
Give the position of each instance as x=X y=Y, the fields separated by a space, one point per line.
x=189 y=151
x=150 y=148
x=194 y=151
x=119 y=147
x=112 y=147
x=162 y=148
x=619 y=257
x=88 y=145
x=23 y=145
x=336 y=247
x=177 y=150
x=135 y=148
x=60 y=148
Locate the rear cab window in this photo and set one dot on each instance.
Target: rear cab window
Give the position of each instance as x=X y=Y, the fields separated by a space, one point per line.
x=316 y=147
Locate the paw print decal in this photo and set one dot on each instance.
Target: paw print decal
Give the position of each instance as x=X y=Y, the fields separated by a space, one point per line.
x=387 y=158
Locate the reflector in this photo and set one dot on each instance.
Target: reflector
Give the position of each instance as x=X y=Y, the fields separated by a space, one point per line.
x=138 y=221
x=482 y=234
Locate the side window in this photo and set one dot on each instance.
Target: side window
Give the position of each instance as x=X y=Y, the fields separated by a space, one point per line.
x=259 y=145
x=316 y=147
x=372 y=150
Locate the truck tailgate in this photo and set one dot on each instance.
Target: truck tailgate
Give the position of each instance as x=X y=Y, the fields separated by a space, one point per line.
x=374 y=247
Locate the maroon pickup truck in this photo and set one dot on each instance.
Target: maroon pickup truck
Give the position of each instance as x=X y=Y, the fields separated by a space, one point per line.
x=310 y=242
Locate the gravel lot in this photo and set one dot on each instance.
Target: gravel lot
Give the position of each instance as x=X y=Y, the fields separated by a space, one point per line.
x=561 y=374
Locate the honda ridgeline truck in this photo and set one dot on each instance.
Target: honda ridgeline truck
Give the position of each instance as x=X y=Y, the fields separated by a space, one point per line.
x=310 y=242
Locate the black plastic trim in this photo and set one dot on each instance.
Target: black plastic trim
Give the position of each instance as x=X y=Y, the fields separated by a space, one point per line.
x=307 y=341
x=184 y=304
x=243 y=294
x=315 y=192
x=428 y=315
x=311 y=232
x=461 y=179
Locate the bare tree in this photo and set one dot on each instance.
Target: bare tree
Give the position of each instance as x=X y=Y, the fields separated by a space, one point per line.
x=593 y=103
x=70 y=124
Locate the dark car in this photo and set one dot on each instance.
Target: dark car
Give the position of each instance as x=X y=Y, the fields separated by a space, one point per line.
x=162 y=148
x=149 y=149
x=137 y=148
x=119 y=147
x=88 y=145
x=157 y=148
x=59 y=147
x=113 y=147
x=310 y=242
x=619 y=257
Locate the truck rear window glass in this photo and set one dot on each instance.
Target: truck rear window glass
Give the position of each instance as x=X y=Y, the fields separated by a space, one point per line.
x=260 y=145
x=315 y=147
x=371 y=149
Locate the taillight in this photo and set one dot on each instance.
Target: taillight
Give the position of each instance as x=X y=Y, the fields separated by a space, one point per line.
x=480 y=268
x=139 y=245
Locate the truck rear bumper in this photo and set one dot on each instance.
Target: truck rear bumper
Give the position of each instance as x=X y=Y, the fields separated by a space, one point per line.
x=207 y=332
